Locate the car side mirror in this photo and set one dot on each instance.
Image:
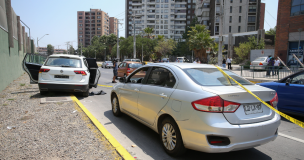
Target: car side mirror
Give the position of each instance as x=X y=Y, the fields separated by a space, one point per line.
x=288 y=81
x=122 y=79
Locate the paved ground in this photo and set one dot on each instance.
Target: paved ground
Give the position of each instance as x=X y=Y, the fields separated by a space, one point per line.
x=30 y=130
x=130 y=132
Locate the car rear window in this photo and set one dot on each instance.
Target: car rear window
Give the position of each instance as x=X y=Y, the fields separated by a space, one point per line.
x=63 y=62
x=213 y=77
x=108 y=61
x=135 y=60
x=134 y=65
x=260 y=59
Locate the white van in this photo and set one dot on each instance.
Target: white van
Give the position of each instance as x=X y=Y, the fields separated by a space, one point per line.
x=183 y=60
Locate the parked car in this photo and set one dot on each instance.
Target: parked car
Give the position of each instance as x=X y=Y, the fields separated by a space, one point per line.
x=131 y=60
x=61 y=72
x=195 y=106
x=107 y=64
x=183 y=60
x=165 y=59
x=259 y=63
x=125 y=68
x=290 y=91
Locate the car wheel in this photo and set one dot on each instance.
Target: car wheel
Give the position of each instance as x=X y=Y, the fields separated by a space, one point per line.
x=85 y=94
x=125 y=76
x=115 y=107
x=43 y=92
x=171 y=138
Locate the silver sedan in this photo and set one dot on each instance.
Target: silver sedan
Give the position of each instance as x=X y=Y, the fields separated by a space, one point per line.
x=194 y=106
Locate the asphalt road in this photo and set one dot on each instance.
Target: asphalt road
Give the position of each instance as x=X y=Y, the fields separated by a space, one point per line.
x=130 y=132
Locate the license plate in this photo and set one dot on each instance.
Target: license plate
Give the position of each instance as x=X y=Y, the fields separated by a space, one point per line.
x=253 y=108
x=60 y=76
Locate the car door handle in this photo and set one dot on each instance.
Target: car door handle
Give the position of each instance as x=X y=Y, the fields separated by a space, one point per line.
x=163 y=95
x=136 y=89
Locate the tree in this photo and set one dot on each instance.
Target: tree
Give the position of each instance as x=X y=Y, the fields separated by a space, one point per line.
x=71 y=50
x=50 y=49
x=199 y=40
x=165 y=47
x=192 y=24
x=272 y=31
x=149 y=31
x=243 y=51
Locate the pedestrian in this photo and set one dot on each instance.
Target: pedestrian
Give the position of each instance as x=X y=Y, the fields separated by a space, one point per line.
x=198 y=61
x=194 y=61
x=270 y=66
x=269 y=57
x=224 y=63
x=276 y=66
x=159 y=60
x=229 y=62
x=115 y=68
x=176 y=60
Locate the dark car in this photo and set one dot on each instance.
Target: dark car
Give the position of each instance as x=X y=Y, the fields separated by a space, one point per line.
x=290 y=92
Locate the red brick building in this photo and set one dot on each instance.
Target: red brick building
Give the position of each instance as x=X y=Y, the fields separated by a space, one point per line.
x=290 y=19
x=262 y=15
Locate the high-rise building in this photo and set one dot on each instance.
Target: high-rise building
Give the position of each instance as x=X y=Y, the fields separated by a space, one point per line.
x=168 y=17
x=113 y=25
x=91 y=23
x=239 y=15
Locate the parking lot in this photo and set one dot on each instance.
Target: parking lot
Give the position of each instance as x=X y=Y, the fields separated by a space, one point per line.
x=143 y=143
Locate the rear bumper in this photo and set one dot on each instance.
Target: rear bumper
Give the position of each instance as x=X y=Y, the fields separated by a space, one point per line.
x=258 y=67
x=63 y=87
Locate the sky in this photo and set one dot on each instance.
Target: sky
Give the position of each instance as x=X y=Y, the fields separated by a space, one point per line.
x=58 y=18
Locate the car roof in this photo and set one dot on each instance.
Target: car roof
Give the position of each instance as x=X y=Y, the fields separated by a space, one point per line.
x=131 y=62
x=183 y=65
x=66 y=55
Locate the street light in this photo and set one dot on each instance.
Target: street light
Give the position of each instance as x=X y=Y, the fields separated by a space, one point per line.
x=39 y=40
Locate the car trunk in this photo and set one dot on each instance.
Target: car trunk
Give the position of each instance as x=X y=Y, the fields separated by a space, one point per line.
x=251 y=110
x=61 y=74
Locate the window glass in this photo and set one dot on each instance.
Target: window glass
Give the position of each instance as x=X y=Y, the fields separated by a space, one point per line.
x=134 y=65
x=63 y=62
x=295 y=10
x=138 y=76
x=299 y=79
x=213 y=77
x=296 y=2
x=260 y=59
x=161 y=77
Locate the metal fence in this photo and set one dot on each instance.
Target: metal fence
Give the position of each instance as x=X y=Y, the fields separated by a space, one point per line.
x=275 y=73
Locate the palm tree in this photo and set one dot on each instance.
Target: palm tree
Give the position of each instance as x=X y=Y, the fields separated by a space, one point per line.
x=160 y=37
x=199 y=40
x=149 y=31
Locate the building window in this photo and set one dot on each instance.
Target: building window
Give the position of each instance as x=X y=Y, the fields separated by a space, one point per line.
x=297 y=7
x=231 y=1
x=240 y=19
x=80 y=24
x=250 y=28
x=79 y=13
x=98 y=20
x=239 y=29
x=230 y=9
x=251 y=18
x=98 y=17
x=230 y=19
x=80 y=17
x=80 y=32
x=240 y=9
x=98 y=24
x=80 y=28
x=80 y=21
x=229 y=29
x=98 y=28
x=252 y=8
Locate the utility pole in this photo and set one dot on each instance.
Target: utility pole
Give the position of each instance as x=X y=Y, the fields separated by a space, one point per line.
x=142 y=52
x=81 y=48
x=134 y=36
x=219 y=58
x=67 y=43
x=117 y=55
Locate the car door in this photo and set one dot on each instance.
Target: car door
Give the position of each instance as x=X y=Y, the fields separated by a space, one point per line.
x=291 y=95
x=121 y=69
x=95 y=74
x=31 y=64
x=130 y=91
x=155 y=93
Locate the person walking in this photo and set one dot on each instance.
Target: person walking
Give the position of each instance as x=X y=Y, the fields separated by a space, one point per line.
x=229 y=62
x=224 y=63
x=276 y=66
x=270 y=66
x=115 y=68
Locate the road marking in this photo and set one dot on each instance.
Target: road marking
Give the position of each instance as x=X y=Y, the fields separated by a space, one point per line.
x=290 y=137
x=104 y=85
x=118 y=147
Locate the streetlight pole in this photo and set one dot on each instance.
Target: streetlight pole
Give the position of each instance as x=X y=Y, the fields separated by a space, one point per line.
x=300 y=30
x=219 y=58
x=39 y=40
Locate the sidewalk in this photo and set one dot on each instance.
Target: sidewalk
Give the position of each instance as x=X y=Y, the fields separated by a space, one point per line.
x=30 y=130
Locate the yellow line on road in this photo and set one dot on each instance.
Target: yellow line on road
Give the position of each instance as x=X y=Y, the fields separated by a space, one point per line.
x=104 y=85
x=119 y=148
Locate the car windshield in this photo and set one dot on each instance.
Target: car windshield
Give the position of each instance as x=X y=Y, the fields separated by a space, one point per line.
x=135 y=65
x=260 y=59
x=63 y=62
x=213 y=77
x=108 y=62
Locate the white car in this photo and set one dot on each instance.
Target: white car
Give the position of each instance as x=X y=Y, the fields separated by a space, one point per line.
x=131 y=60
x=107 y=64
x=61 y=72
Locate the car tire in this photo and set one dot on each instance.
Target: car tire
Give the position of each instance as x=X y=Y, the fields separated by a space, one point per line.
x=125 y=76
x=43 y=92
x=85 y=94
x=178 y=149
x=116 y=107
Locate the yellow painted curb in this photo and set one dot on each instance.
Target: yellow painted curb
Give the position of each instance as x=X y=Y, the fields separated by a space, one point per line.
x=104 y=85
x=119 y=148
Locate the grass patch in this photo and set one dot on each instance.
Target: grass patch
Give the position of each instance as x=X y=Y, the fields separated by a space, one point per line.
x=22 y=84
x=4 y=104
x=11 y=99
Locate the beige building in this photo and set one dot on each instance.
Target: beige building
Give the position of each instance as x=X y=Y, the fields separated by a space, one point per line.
x=91 y=23
x=113 y=25
x=43 y=50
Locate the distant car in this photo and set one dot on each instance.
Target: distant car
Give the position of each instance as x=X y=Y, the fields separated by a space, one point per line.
x=61 y=72
x=165 y=60
x=290 y=91
x=183 y=60
x=259 y=63
x=107 y=64
x=125 y=68
x=195 y=106
x=131 y=60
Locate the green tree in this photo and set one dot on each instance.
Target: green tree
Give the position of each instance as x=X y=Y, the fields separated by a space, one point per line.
x=199 y=40
x=165 y=47
x=71 y=50
x=50 y=49
x=272 y=31
x=243 y=51
x=192 y=24
x=148 y=31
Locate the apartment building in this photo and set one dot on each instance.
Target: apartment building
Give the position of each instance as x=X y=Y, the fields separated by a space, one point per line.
x=113 y=25
x=91 y=23
x=168 y=17
x=239 y=15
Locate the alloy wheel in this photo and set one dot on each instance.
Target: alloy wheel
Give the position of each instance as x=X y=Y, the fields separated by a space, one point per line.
x=114 y=104
x=169 y=136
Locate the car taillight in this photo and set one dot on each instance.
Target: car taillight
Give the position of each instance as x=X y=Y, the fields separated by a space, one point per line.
x=215 y=104
x=81 y=72
x=43 y=70
x=261 y=64
x=128 y=70
x=107 y=63
x=250 y=63
x=274 y=101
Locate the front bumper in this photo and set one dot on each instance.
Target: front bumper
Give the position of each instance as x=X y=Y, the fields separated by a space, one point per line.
x=63 y=87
